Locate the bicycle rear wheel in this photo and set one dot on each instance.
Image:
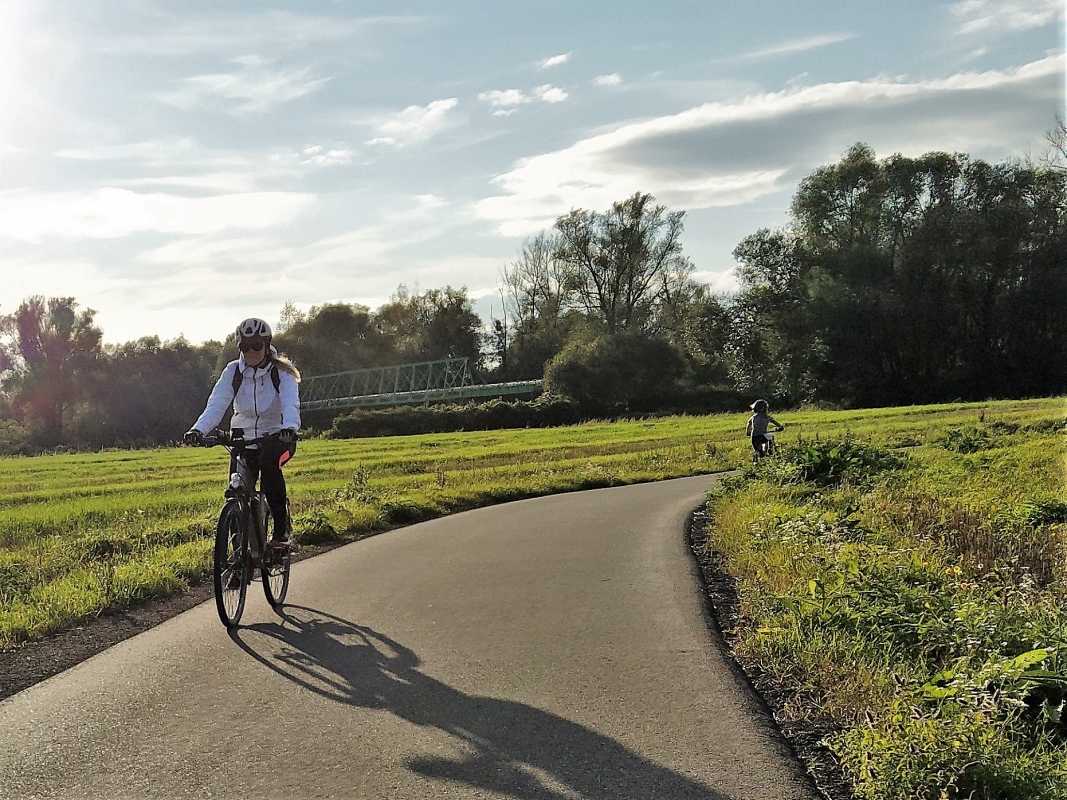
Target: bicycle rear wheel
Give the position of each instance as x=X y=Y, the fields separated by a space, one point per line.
x=232 y=568
x=275 y=568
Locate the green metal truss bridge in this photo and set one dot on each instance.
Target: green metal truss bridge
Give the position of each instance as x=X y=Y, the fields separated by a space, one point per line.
x=448 y=380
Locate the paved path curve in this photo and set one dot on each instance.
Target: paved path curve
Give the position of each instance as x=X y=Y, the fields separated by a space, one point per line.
x=549 y=649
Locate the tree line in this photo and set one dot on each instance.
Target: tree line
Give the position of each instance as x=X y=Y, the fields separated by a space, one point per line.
x=60 y=386
x=896 y=280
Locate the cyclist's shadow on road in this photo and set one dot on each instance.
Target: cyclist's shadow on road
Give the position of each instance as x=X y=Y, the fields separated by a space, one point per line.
x=515 y=749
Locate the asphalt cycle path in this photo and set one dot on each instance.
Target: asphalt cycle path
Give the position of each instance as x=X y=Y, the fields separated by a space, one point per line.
x=548 y=649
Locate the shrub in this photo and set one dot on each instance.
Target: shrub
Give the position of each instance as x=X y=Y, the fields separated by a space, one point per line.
x=15 y=439
x=617 y=374
x=830 y=462
x=545 y=411
x=966 y=439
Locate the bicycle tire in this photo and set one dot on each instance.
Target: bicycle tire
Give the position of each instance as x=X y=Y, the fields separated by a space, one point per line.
x=232 y=567
x=274 y=570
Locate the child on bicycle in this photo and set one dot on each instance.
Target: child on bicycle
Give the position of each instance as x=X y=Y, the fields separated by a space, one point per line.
x=263 y=387
x=757 y=427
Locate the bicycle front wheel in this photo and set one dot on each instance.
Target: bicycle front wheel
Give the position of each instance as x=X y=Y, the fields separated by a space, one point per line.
x=275 y=569
x=232 y=567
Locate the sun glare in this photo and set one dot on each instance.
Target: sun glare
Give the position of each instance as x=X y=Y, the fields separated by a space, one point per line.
x=24 y=50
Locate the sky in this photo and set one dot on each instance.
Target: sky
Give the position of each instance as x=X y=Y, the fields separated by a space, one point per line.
x=179 y=166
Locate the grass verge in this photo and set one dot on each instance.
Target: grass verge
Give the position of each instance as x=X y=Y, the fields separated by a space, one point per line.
x=904 y=588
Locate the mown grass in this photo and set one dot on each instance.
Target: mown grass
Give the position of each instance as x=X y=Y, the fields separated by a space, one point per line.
x=83 y=534
x=912 y=600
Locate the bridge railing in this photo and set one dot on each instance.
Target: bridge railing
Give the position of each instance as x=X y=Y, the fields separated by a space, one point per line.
x=422 y=382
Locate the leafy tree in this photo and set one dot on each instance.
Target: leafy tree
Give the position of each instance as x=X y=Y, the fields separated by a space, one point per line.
x=435 y=324
x=1055 y=155
x=532 y=345
x=617 y=373
x=539 y=309
x=50 y=349
x=146 y=392
x=621 y=270
x=537 y=285
x=426 y=326
x=333 y=338
x=622 y=264
x=908 y=280
x=704 y=331
x=289 y=316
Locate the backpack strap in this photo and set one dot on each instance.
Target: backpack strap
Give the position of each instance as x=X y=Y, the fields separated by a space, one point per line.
x=238 y=377
x=275 y=378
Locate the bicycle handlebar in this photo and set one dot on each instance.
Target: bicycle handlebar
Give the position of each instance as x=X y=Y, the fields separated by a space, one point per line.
x=223 y=438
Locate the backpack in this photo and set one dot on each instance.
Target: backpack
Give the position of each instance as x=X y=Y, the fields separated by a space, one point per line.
x=275 y=378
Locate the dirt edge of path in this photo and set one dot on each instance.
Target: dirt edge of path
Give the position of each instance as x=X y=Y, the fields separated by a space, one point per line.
x=805 y=738
x=33 y=662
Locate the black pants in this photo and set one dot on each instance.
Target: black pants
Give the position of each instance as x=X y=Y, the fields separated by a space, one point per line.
x=265 y=464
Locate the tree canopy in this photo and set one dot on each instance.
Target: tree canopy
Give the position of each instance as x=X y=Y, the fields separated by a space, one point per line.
x=909 y=280
x=894 y=280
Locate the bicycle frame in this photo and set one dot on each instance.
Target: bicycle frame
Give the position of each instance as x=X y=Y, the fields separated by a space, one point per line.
x=766 y=449
x=242 y=547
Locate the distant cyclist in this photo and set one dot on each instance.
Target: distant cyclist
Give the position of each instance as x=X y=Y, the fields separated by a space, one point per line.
x=757 y=426
x=263 y=387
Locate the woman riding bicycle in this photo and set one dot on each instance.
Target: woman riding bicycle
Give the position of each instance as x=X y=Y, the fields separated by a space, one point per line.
x=757 y=427
x=263 y=387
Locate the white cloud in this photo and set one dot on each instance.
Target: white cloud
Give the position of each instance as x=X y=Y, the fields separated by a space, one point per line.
x=415 y=123
x=331 y=257
x=722 y=154
x=550 y=94
x=428 y=201
x=255 y=88
x=723 y=281
x=354 y=250
x=199 y=251
x=216 y=182
x=614 y=79
x=154 y=151
x=554 y=61
x=233 y=256
x=504 y=97
x=184 y=34
x=319 y=156
x=794 y=46
x=31 y=216
x=1000 y=15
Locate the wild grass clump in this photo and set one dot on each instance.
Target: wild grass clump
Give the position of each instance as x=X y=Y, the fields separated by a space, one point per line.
x=915 y=606
x=828 y=462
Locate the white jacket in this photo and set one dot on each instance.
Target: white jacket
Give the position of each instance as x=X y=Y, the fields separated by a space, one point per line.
x=258 y=408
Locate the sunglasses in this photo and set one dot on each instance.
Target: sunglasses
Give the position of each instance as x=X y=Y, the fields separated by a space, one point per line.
x=251 y=347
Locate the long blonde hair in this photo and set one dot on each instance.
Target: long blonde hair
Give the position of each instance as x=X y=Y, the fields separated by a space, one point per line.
x=285 y=365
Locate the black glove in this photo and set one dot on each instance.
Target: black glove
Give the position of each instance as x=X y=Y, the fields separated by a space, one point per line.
x=193 y=437
x=287 y=436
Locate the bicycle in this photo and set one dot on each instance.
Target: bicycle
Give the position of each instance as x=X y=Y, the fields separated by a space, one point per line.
x=767 y=449
x=241 y=539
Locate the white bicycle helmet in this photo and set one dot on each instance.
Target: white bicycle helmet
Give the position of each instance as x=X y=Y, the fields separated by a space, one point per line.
x=252 y=328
